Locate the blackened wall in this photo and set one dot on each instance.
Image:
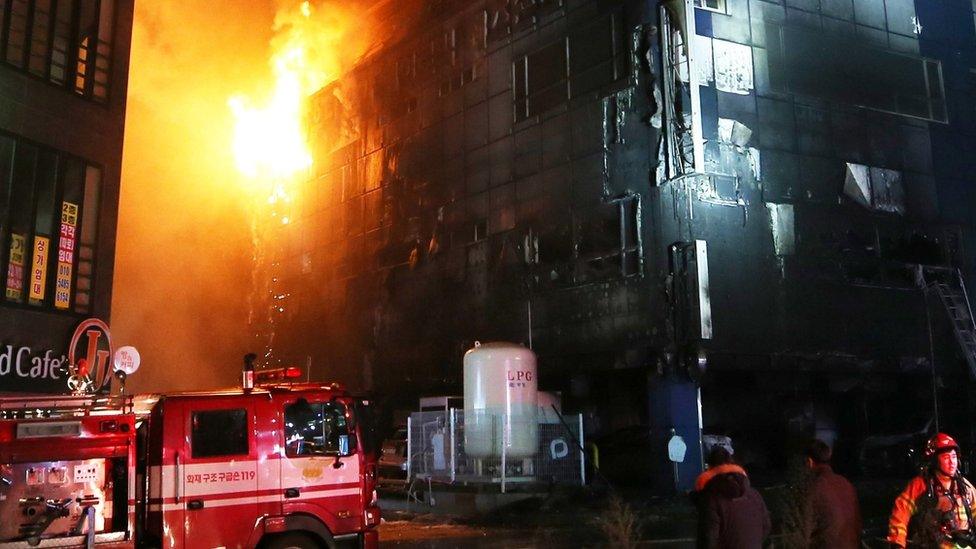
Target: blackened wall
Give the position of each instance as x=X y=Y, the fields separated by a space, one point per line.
x=503 y=163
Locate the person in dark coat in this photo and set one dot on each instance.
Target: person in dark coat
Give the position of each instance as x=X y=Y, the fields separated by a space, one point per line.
x=833 y=516
x=732 y=514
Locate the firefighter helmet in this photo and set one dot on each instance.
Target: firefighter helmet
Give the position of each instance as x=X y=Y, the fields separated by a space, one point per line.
x=941 y=442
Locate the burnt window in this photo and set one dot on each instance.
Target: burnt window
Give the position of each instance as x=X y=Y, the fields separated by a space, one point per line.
x=864 y=76
x=48 y=220
x=66 y=42
x=480 y=229
x=589 y=60
x=219 y=433
x=596 y=55
x=540 y=80
x=319 y=428
x=609 y=241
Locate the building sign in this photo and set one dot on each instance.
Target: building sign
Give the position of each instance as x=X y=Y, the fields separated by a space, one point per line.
x=66 y=254
x=38 y=278
x=15 y=269
x=25 y=363
x=88 y=357
x=45 y=366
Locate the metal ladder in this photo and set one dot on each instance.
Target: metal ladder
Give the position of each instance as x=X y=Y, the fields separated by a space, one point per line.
x=952 y=291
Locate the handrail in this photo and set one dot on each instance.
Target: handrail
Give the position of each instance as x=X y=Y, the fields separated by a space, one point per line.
x=50 y=406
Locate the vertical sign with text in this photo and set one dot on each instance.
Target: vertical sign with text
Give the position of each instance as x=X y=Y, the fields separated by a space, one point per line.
x=15 y=268
x=38 y=279
x=66 y=254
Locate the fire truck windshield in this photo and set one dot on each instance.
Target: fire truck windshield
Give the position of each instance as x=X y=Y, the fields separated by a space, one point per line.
x=318 y=428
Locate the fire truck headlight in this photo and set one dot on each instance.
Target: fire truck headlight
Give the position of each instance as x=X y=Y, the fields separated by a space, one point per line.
x=375 y=497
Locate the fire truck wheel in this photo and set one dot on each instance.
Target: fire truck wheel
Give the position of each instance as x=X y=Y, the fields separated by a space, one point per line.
x=293 y=540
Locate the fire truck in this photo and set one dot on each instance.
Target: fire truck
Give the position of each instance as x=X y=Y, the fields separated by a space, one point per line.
x=276 y=464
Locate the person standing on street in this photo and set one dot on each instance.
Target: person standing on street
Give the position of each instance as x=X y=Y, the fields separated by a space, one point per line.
x=833 y=517
x=732 y=514
x=939 y=503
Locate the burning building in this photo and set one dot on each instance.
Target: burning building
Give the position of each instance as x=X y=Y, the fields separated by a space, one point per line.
x=750 y=218
x=63 y=75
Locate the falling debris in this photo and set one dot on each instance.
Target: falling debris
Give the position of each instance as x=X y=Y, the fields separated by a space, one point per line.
x=734 y=132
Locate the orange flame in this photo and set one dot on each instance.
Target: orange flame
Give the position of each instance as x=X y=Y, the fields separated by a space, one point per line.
x=270 y=139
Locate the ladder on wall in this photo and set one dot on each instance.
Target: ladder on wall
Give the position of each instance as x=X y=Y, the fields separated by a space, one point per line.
x=949 y=284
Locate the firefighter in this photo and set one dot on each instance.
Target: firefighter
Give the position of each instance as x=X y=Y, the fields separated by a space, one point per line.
x=939 y=503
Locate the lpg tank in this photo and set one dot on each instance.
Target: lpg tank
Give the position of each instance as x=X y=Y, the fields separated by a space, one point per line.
x=500 y=401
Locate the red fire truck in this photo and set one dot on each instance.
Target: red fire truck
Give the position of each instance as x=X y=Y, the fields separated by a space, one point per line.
x=279 y=465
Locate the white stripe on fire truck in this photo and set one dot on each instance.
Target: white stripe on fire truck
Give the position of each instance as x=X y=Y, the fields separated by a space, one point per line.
x=205 y=479
x=228 y=502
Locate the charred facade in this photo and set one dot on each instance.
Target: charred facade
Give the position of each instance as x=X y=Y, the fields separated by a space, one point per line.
x=63 y=80
x=757 y=198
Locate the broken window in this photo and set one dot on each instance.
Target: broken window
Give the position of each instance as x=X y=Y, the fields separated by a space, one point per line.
x=682 y=148
x=540 y=80
x=608 y=243
x=458 y=80
x=480 y=230
x=597 y=55
x=502 y=17
x=865 y=77
x=878 y=189
x=590 y=59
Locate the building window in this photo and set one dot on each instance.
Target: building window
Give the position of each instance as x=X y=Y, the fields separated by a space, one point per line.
x=589 y=60
x=219 y=433
x=66 y=42
x=480 y=229
x=865 y=77
x=540 y=80
x=48 y=220
x=609 y=241
x=596 y=56
x=711 y=5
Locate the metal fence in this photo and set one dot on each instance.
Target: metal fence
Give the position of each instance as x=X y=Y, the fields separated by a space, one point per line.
x=492 y=448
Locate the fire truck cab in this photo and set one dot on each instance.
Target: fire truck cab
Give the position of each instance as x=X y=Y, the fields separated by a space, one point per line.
x=280 y=465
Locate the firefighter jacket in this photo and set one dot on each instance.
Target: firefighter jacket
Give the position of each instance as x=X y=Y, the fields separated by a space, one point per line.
x=939 y=509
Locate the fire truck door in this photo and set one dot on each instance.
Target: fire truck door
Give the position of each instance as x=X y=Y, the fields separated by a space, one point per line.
x=320 y=469
x=219 y=473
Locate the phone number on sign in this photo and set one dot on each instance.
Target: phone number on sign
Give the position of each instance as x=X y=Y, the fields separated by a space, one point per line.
x=229 y=476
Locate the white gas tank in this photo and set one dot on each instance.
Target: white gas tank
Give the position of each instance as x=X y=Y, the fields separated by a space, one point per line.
x=500 y=401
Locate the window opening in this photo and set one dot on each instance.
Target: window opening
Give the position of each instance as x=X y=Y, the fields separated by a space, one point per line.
x=21 y=208
x=48 y=226
x=40 y=38
x=315 y=429
x=711 y=5
x=219 y=433
x=540 y=80
x=66 y=42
